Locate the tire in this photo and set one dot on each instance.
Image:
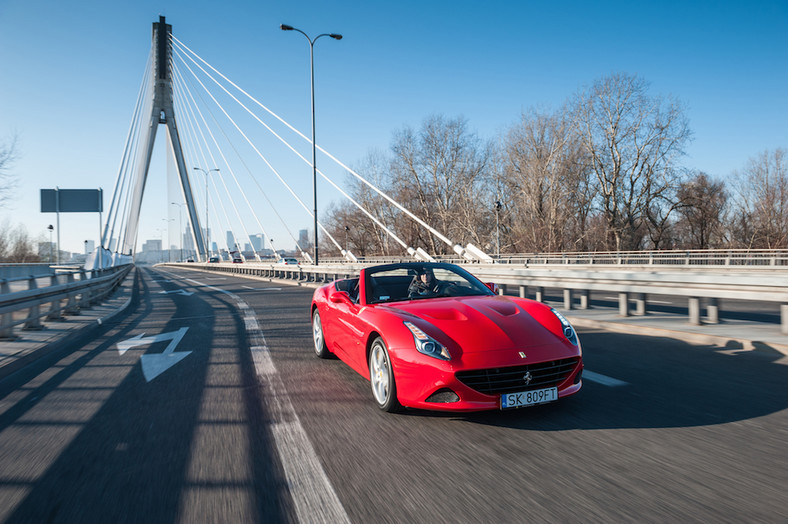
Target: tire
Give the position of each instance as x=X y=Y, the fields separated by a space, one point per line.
x=381 y=377
x=318 y=336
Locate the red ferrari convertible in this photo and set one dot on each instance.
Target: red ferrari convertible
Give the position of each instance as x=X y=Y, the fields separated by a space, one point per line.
x=432 y=336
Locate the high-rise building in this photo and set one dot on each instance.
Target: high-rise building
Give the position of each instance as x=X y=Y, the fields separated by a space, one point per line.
x=303 y=239
x=152 y=245
x=258 y=241
x=231 y=241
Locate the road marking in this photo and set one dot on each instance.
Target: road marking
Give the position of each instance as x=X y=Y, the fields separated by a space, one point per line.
x=603 y=379
x=177 y=292
x=155 y=364
x=263 y=288
x=313 y=495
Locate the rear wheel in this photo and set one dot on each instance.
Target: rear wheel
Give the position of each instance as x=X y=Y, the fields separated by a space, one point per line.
x=321 y=350
x=381 y=376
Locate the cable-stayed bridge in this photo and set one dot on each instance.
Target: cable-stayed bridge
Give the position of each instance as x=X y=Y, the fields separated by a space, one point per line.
x=199 y=398
x=221 y=138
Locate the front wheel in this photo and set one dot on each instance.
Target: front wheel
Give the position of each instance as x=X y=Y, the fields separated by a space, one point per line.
x=321 y=349
x=381 y=376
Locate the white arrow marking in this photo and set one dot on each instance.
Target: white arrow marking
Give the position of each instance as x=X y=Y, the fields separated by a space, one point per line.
x=161 y=280
x=263 y=288
x=177 y=292
x=157 y=363
x=130 y=343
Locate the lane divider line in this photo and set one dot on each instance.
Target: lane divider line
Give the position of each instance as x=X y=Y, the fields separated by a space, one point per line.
x=313 y=494
x=603 y=379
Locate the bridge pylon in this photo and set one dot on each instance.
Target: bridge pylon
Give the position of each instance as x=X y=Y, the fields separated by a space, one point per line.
x=162 y=112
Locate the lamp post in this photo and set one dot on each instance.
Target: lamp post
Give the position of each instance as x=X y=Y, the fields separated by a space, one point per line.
x=50 y=227
x=207 y=229
x=167 y=225
x=497 y=205
x=335 y=36
x=180 y=232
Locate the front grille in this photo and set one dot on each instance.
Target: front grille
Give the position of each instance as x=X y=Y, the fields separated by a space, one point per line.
x=498 y=381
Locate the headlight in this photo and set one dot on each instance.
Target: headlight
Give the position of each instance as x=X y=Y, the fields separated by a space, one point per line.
x=428 y=345
x=569 y=331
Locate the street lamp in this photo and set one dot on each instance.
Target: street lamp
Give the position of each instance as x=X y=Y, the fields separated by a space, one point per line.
x=335 y=36
x=167 y=220
x=207 y=229
x=497 y=205
x=180 y=232
x=50 y=227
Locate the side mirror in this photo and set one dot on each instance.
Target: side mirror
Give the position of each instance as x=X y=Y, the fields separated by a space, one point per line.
x=493 y=287
x=337 y=297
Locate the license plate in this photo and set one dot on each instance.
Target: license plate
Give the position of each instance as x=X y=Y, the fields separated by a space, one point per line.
x=528 y=398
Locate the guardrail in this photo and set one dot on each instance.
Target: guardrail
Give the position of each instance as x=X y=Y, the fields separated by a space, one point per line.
x=633 y=283
x=715 y=258
x=79 y=289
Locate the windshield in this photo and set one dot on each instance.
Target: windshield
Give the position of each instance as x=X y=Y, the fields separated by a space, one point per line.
x=415 y=281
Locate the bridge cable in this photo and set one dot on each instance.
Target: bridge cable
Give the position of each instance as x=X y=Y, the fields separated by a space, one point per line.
x=229 y=167
x=442 y=237
x=325 y=231
x=129 y=150
x=248 y=170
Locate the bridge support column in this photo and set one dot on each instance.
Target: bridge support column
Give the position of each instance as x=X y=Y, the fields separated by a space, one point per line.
x=502 y=289
x=568 y=299
x=584 y=296
x=523 y=291
x=640 y=304
x=694 y=311
x=784 y=318
x=540 y=294
x=623 y=304
x=713 y=311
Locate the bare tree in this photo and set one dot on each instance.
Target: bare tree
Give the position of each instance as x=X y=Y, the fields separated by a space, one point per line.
x=8 y=153
x=763 y=201
x=633 y=141
x=16 y=244
x=546 y=181
x=439 y=174
x=701 y=209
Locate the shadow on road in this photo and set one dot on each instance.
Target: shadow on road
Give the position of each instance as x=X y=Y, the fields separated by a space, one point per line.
x=669 y=383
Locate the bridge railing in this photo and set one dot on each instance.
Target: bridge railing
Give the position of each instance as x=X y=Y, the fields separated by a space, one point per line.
x=65 y=291
x=764 y=282
x=714 y=258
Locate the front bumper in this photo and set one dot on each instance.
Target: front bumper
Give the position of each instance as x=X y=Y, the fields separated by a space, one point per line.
x=427 y=383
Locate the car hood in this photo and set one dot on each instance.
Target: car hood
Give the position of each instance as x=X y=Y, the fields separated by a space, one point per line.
x=479 y=323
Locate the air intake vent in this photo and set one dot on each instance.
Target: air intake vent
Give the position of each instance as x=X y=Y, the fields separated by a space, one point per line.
x=497 y=381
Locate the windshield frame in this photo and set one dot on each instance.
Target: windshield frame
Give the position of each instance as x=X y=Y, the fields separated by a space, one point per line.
x=379 y=291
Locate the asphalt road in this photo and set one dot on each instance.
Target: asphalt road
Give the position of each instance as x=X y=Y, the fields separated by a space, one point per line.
x=249 y=426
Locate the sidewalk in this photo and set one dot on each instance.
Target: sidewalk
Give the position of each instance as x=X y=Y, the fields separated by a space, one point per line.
x=732 y=334
x=32 y=344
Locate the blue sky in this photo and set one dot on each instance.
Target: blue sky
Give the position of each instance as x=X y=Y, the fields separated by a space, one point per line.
x=71 y=73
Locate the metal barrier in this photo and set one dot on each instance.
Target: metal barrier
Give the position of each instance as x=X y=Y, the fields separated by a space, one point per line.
x=88 y=289
x=764 y=283
x=706 y=258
